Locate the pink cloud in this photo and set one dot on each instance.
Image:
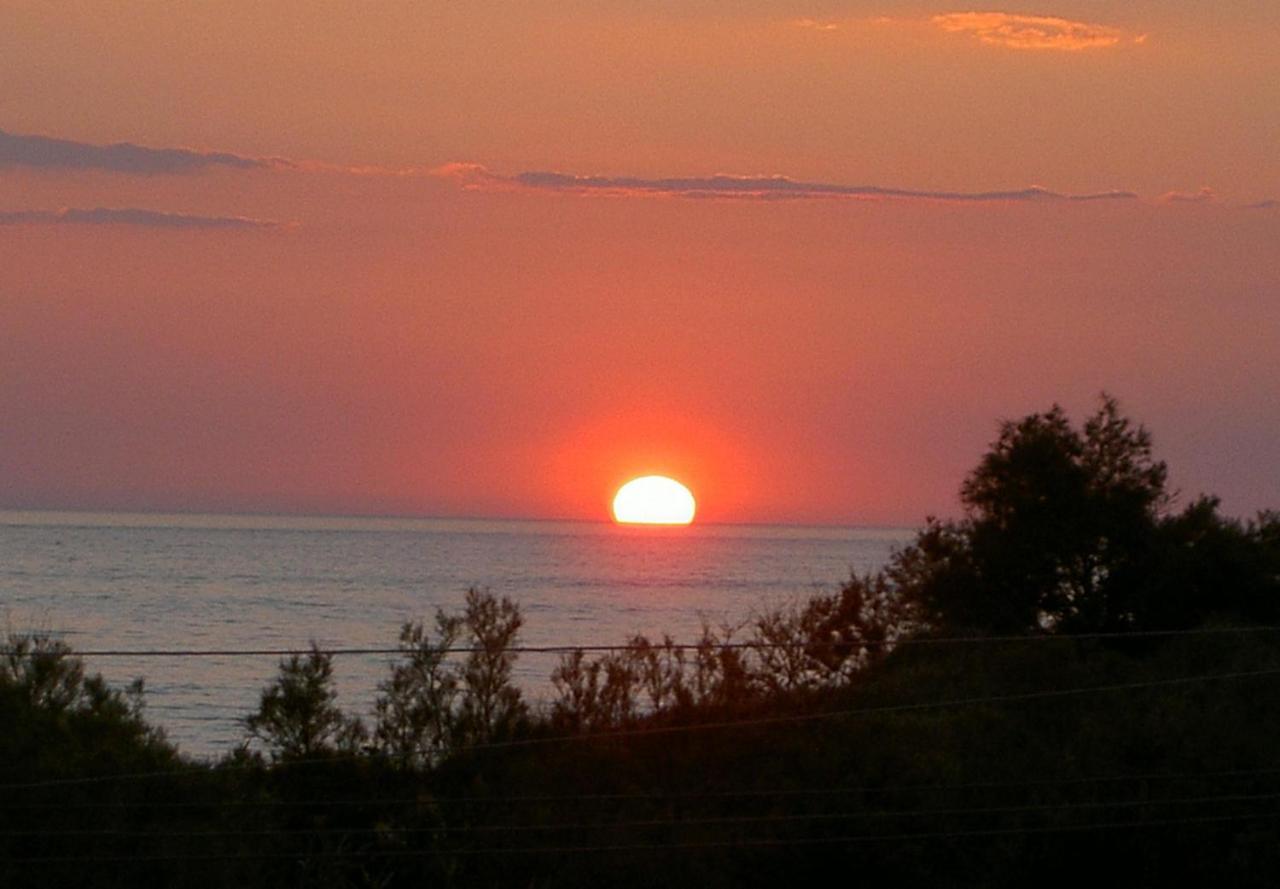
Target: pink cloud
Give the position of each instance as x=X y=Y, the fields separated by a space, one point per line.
x=1033 y=31
x=1204 y=196
x=476 y=177
x=816 y=25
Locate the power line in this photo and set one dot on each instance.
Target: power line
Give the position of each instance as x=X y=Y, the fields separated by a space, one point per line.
x=655 y=796
x=666 y=847
x=780 y=719
x=661 y=646
x=726 y=820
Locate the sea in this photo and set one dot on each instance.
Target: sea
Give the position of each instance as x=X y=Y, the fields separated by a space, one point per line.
x=113 y=582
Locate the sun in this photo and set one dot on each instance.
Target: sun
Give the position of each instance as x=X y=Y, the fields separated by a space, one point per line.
x=653 y=500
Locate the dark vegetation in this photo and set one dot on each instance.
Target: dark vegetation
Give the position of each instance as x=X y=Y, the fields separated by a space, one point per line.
x=1075 y=681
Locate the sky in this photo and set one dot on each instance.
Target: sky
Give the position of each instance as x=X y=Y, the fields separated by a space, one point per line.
x=494 y=259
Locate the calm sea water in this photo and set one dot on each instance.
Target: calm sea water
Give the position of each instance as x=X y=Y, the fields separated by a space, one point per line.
x=113 y=581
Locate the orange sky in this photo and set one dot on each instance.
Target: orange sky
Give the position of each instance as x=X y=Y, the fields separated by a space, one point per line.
x=319 y=318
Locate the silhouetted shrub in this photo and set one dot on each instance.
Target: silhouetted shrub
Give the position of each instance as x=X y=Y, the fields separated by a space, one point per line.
x=491 y=707
x=297 y=716
x=432 y=704
x=55 y=717
x=415 y=716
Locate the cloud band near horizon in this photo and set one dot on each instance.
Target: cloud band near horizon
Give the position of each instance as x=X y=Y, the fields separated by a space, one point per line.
x=477 y=177
x=134 y=216
x=48 y=153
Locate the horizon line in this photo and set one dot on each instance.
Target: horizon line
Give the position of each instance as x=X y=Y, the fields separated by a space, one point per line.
x=323 y=516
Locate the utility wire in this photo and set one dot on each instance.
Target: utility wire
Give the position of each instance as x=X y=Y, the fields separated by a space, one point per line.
x=656 y=796
x=781 y=719
x=662 y=646
x=726 y=820
x=662 y=847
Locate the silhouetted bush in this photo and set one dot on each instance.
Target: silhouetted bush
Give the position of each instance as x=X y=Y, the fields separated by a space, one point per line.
x=58 y=719
x=297 y=717
x=60 y=726
x=490 y=706
x=415 y=720
x=822 y=642
x=433 y=705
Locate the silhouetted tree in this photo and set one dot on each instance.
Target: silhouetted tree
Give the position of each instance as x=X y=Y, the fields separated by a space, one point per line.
x=491 y=706
x=297 y=716
x=434 y=704
x=1209 y=565
x=1070 y=530
x=854 y=629
x=1057 y=522
x=640 y=678
x=53 y=713
x=415 y=708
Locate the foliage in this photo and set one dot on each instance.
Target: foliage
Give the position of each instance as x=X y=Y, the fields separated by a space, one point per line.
x=1070 y=530
x=432 y=705
x=1055 y=520
x=491 y=706
x=822 y=642
x=642 y=679
x=1208 y=565
x=856 y=628
x=297 y=717
x=60 y=724
x=415 y=707
x=56 y=716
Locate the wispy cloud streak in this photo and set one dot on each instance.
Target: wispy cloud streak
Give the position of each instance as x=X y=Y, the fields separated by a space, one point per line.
x=19 y=150
x=48 y=153
x=816 y=25
x=133 y=216
x=1033 y=31
x=765 y=188
x=1204 y=196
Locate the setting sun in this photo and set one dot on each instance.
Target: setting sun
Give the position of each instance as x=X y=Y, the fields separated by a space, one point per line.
x=653 y=500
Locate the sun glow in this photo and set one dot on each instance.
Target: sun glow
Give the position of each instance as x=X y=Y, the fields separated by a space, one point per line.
x=653 y=500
